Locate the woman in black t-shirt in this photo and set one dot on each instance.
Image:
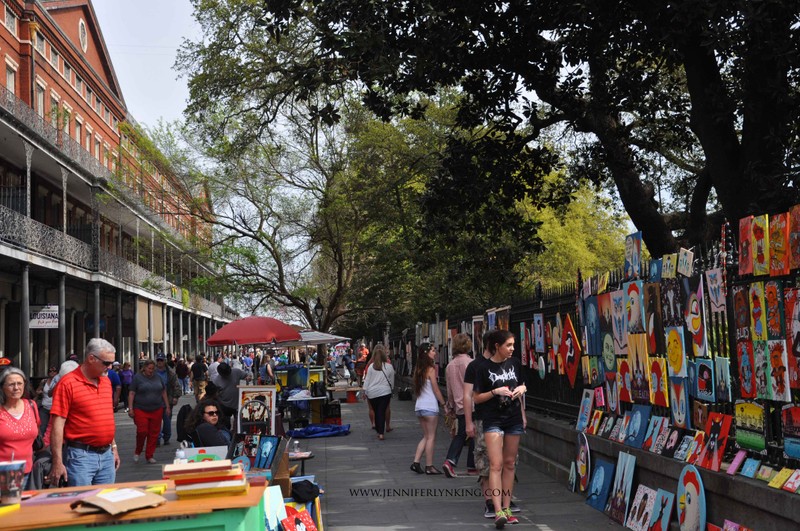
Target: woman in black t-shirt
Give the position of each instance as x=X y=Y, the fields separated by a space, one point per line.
x=500 y=389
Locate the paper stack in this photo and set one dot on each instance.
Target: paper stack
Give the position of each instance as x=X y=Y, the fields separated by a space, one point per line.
x=207 y=478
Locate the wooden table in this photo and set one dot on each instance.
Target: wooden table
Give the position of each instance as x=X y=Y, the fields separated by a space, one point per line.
x=243 y=512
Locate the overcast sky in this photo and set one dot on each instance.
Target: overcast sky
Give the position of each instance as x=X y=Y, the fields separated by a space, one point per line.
x=143 y=37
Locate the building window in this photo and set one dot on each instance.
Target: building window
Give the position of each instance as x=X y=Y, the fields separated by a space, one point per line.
x=88 y=140
x=78 y=128
x=11 y=21
x=97 y=148
x=54 y=58
x=79 y=85
x=83 y=37
x=66 y=117
x=54 y=111
x=11 y=79
x=40 y=100
x=68 y=72
x=39 y=42
x=89 y=95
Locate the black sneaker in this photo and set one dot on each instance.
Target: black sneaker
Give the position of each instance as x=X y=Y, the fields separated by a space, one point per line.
x=488 y=510
x=166 y=443
x=514 y=508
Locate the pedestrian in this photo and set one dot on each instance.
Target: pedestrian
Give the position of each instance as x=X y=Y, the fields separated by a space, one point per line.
x=46 y=398
x=500 y=387
x=203 y=425
x=349 y=366
x=267 y=370
x=227 y=381
x=429 y=398
x=19 y=420
x=199 y=377
x=147 y=398
x=116 y=384
x=182 y=372
x=378 y=388
x=83 y=422
x=170 y=381
x=212 y=367
x=454 y=376
x=126 y=377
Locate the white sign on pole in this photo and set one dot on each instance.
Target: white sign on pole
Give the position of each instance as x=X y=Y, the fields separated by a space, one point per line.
x=44 y=316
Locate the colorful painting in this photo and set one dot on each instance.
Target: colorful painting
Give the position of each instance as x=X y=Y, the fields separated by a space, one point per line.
x=669 y=264
x=685 y=262
x=671 y=303
x=619 y=497
x=758 y=319
x=641 y=509
x=705 y=380
x=538 y=333
x=612 y=393
x=699 y=413
x=596 y=376
x=585 y=410
x=673 y=441
x=583 y=465
x=679 y=399
x=602 y=475
x=793 y=483
x=691 y=500
x=694 y=314
x=525 y=343
x=605 y=311
x=684 y=447
x=619 y=316
x=659 y=395
x=790 y=422
x=773 y=297
x=609 y=360
x=594 y=424
x=691 y=371
x=640 y=368
x=745 y=246
x=637 y=427
x=778 y=373
x=661 y=438
x=751 y=466
x=570 y=350
x=761 y=357
x=792 y=311
x=747 y=374
x=633 y=256
x=653 y=429
x=592 y=316
x=760 y=244
x=697 y=447
x=652 y=318
x=794 y=237
x=477 y=335
x=624 y=381
x=750 y=427
x=779 y=244
x=717 y=428
x=676 y=352
x=623 y=430
x=715 y=282
x=504 y=318
x=722 y=372
x=602 y=282
x=662 y=511
x=634 y=306
x=655 y=270
x=736 y=463
x=741 y=312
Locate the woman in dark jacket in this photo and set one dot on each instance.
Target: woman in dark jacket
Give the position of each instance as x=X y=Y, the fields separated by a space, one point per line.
x=203 y=425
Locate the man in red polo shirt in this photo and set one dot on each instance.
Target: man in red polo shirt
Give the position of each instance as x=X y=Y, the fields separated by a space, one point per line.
x=82 y=440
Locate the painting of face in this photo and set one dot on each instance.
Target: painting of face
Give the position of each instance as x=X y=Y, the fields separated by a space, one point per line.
x=634 y=307
x=741 y=312
x=680 y=402
x=779 y=375
x=609 y=360
x=675 y=353
x=691 y=500
x=619 y=317
x=716 y=297
x=760 y=244
x=745 y=252
x=746 y=374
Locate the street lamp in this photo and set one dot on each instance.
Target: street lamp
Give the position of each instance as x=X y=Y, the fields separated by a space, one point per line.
x=318 y=309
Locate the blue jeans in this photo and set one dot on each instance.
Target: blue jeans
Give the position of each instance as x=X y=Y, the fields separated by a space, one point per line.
x=166 y=425
x=88 y=468
x=458 y=443
x=185 y=384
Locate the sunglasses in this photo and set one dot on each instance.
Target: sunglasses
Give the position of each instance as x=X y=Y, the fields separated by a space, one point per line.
x=212 y=413
x=104 y=362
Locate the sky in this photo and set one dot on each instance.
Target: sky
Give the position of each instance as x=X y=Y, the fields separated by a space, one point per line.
x=143 y=37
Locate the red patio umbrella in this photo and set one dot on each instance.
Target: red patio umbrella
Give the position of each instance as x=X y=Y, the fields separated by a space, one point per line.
x=253 y=330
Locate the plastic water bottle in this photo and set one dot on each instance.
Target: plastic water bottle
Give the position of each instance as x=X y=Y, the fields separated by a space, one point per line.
x=180 y=456
x=296 y=446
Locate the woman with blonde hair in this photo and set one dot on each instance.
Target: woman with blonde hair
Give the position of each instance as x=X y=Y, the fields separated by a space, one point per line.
x=429 y=398
x=378 y=387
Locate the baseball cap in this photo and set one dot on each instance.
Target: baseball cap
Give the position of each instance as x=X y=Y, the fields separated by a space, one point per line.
x=161 y=357
x=73 y=357
x=115 y=364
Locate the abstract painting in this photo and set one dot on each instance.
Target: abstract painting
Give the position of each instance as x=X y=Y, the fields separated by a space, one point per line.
x=779 y=244
x=671 y=303
x=691 y=500
x=705 y=380
x=602 y=475
x=741 y=312
x=659 y=394
x=750 y=426
x=773 y=297
x=619 y=316
x=761 y=358
x=722 y=372
x=641 y=509
x=633 y=255
x=634 y=306
x=624 y=381
x=538 y=333
x=592 y=316
x=747 y=373
x=676 y=353
x=640 y=369
x=760 y=244
x=745 y=246
x=669 y=264
x=794 y=237
x=685 y=262
x=637 y=427
x=694 y=314
x=679 y=400
x=662 y=511
x=716 y=290
x=717 y=428
x=792 y=310
x=570 y=350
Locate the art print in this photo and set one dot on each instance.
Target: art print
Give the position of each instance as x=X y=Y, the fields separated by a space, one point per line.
x=605 y=311
x=683 y=448
x=619 y=497
x=694 y=315
x=692 y=509
x=662 y=511
x=612 y=393
x=653 y=429
x=685 y=262
x=717 y=428
x=624 y=381
x=640 y=369
x=669 y=265
x=659 y=393
x=699 y=413
x=608 y=359
x=716 y=290
x=745 y=246
x=750 y=426
x=570 y=351
x=763 y=384
x=653 y=321
x=697 y=447
x=257 y=409
x=614 y=435
x=790 y=423
x=599 y=397
x=737 y=462
x=778 y=373
x=773 y=297
x=490 y=320
x=793 y=483
x=592 y=327
x=477 y=334
x=633 y=256
x=722 y=373
x=751 y=466
x=641 y=509
x=655 y=270
x=583 y=464
x=747 y=374
x=596 y=376
x=267 y=446
x=538 y=333
x=602 y=282
x=594 y=424
x=585 y=410
x=637 y=427
x=794 y=237
x=619 y=316
x=504 y=318
x=779 y=244
x=760 y=244
x=705 y=380
x=671 y=303
x=758 y=319
x=623 y=430
x=676 y=352
x=600 y=486
x=607 y=427
x=679 y=399
x=524 y=346
x=741 y=312
x=661 y=439
x=673 y=441
x=691 y=371
x=792 y=311
x=780 y=478
x=634 y=306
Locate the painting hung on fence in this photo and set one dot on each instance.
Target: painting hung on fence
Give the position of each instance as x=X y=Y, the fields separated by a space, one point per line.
x=779 y=244
x=538 y=332
x=652 y=318
x=761 y=357
x=570 y=350
x=760 y=244
x=745 y=246
x=750 y=426
x=705 y=380
x=640 y=369
x=794 y=237
x=747 y=373
x=669 y=265
x=679 y=400
x=718 y=426
x=659 y=394
x=790 y=422
x=792 y=321
x=619 y=317
x=676 y=353
x=694 y=315
x=716 y=290
x=592 y=316
x=634 y=306
x=773 y=297
x=741 y=312
x=778 y=373
x=758 y=321
x=722 y=372
x=671 y=303
x=633 y=255
x=624 y=380
x=685 y=262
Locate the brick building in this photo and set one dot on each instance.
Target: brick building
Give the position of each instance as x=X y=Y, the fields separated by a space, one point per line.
x=97 y=237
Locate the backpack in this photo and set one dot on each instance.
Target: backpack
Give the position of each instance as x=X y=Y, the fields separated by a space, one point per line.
x=183 y=414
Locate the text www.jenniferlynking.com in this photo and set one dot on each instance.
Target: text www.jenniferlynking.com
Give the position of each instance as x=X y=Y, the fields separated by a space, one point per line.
x=424 y=493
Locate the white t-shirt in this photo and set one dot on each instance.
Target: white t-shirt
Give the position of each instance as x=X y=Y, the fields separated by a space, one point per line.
x=212 y=371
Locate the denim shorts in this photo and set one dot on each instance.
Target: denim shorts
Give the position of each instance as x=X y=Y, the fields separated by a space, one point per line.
x=513 y=429
x=426 y=413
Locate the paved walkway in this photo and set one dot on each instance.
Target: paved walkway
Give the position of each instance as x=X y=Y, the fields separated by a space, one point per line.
x=345 y=466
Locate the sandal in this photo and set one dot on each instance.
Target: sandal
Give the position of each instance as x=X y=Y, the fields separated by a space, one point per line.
x=380 y=436
x=432 y=471
x=417 y=468
x=389 y=429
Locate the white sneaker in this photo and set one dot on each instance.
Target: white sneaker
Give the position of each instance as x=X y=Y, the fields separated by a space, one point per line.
x=135 y=458
x=152 y=460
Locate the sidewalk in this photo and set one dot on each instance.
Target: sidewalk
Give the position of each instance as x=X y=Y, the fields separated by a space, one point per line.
x=414 y=501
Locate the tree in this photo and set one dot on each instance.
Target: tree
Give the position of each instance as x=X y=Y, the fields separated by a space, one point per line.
x=706 y=88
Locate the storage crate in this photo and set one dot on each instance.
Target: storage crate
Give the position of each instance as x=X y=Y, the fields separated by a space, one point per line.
x=333 y=420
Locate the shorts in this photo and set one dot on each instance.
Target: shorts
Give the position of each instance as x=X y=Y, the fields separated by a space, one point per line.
x=426 y=413
x=503 y=429
x=481 y=459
